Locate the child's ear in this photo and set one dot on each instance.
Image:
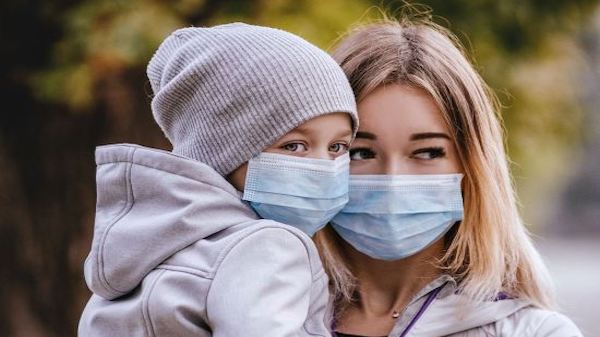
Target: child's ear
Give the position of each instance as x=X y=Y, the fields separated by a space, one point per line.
x=237 y=178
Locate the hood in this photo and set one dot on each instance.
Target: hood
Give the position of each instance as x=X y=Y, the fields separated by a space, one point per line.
x=150 y=205
x=455 y=313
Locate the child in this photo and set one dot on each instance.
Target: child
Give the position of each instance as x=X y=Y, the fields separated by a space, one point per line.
x=177 y=249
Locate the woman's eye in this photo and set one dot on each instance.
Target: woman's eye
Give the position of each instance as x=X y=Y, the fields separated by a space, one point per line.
x=429 y=153
x=294 y=147
x=338 y=148
x=361 y=154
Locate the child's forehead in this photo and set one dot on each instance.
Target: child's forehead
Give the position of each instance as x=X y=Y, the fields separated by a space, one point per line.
x=337 y=121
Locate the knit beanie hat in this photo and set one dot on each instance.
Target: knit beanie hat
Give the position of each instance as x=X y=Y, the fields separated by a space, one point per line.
x=223 y=94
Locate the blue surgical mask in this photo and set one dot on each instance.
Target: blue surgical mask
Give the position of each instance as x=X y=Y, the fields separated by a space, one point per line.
x=393 y=217
x=302 y=192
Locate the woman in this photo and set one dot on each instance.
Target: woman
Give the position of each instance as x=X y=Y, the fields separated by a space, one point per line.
x=431 y=243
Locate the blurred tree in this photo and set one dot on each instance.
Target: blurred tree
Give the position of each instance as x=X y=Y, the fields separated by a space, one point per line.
x=73 y=77
x=576 y=211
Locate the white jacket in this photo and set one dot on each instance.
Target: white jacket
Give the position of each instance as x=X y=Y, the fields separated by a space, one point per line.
x=176 y=252
x=449 y=314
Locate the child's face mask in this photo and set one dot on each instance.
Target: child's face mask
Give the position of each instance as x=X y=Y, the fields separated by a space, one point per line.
x=302 y=192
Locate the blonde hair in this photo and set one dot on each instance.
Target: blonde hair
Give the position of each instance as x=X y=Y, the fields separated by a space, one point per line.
x=490 y=252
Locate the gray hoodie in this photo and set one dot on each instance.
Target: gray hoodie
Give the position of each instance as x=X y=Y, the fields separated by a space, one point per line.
x=437 y=311
x=177 y=253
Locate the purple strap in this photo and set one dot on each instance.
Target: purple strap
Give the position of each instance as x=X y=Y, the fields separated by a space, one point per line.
x=424 y=307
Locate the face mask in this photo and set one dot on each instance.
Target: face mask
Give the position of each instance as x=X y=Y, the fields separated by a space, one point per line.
x=302 y=192
x=393 y=217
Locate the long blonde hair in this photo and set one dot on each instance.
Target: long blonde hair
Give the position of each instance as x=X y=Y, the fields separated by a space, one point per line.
x=490 y=251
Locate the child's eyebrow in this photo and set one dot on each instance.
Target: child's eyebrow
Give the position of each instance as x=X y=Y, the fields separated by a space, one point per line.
x=346 y=133
x=298 y=131
x=301 y=129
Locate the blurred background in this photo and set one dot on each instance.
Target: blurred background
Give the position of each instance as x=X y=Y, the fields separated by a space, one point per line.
x=72 y=76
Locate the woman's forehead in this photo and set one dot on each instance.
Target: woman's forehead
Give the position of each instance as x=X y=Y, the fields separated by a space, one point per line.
x=397 y=107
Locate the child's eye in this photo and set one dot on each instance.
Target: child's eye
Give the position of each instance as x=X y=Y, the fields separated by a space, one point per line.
x=429 y=153
x=338 y=148
x=294 y=147
x=361 y=154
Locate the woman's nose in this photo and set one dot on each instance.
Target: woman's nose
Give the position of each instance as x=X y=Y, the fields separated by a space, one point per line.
x=395 y=166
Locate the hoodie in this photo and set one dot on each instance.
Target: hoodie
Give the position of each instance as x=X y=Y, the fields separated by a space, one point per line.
x=176 y=252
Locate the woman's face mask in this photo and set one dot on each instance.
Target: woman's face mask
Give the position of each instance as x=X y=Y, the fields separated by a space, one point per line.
x=393 y=217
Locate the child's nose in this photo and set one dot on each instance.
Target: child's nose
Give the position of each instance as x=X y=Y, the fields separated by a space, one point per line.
x=322 y=154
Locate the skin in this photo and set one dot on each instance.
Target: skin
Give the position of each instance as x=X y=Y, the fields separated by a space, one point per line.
x=401 y=132
x=324 y=137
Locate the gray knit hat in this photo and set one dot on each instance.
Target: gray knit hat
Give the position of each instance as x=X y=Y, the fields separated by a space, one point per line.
x=225 y=93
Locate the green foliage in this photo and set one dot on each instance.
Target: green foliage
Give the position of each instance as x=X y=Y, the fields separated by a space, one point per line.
x=103 y=37
x=321 y=22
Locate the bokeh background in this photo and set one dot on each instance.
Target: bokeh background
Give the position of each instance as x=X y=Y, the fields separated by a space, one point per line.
x=72 y=76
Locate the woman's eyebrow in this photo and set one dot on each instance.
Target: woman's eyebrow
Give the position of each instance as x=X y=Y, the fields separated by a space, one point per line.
x=428 y=135
x=367 y=135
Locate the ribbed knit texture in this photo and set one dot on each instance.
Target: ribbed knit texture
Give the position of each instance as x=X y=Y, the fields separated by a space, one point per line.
x=225 y=93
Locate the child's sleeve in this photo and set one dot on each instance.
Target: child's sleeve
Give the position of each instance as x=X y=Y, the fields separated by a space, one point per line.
x=262 y=287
